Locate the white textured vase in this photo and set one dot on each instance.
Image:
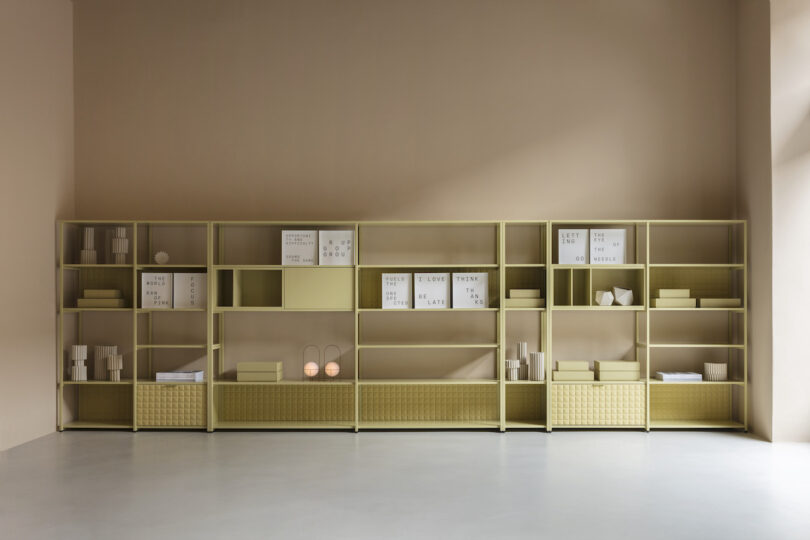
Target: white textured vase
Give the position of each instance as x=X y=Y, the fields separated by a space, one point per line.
x=715 y=372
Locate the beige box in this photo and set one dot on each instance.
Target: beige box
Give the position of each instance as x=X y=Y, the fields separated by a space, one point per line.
x=102 y=293
x=259 y=376
x=720 y=302
x=524 y=302
x=524 y=293
x=629 y=375
x=259 y=366
x=674 y=302
x=604 y=365
x=572 y=375
x=319 y=288
x=673 y=293
x=100 y=303
x=573 y=365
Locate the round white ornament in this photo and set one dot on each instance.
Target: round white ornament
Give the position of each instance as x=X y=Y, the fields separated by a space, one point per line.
x=161 y=257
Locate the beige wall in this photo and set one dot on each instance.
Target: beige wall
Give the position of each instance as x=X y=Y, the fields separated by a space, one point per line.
x=754 y=198
x=790 y=117
x=422 y=109
x=36 y=171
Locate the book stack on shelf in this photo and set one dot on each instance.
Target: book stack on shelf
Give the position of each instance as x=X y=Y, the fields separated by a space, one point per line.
x=720 y=302
x=101 y=298
x=673 y=298
x=524 y=298
x=572 y=370
x=617 y=370
x=678 y=376
x=180 y=376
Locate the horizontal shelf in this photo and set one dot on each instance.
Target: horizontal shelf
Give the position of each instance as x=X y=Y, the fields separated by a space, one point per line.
x=696 y=346
x=414 y=310
x=429 y=346
x=169 y=383
x=419 y=424
x=599 y=426
x=263 y=309
x=525 y=382
x=276 y=266
x=698 y=265
x=525 y=424
x=732 y=309
x=632 y=266
x=284 y=425
x=194 y=346
x=696 y=424
x=170 y=310
x=426 y=381
x=724 y=383
x=170 y=266
x=525 y=309
x=67 y=266
x=599 y=383
x=81 y=424
x=339 y=382
x=598 y=308
x=81 y=310
x=98 y=383
x=467 y=265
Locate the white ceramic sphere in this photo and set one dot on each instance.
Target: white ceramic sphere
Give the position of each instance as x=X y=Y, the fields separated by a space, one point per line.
x=331 y=369
x=311 y=369
x=161 y=257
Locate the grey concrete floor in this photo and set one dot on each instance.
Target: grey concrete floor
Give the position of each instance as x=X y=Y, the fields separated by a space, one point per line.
x=404 y=485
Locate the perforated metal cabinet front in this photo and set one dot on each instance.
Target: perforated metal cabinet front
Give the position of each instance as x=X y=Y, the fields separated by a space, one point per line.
x=598 y=405
x=171 y=405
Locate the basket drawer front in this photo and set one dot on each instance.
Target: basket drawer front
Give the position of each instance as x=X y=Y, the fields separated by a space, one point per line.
x=599 y=404
x=171 y=405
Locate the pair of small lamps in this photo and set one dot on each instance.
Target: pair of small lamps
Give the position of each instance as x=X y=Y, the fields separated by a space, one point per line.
x=331 y=368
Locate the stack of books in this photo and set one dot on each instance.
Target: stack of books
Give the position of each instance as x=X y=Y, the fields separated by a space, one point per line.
x=572 y=370
x=101 y=298
x=678 y=376
x=674 y=298
x=180 y=376
x=617 y=371
x=525 y=298
x=259 y=371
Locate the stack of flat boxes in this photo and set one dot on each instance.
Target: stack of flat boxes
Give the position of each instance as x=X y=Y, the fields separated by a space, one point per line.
x=259 y=371
x=572 y=370
x=617 y=371
x=674 y=298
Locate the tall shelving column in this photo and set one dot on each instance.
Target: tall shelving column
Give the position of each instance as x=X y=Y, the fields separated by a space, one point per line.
x=501 y=321
x=209 y=328
x=135 y=327
x=356 y=327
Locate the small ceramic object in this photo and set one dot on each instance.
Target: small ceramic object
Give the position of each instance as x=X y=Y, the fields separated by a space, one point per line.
x=604 y=298
x=623 y=297
x=161 y=257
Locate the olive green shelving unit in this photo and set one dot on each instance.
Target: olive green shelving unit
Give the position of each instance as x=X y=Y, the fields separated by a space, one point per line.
x=403 y=368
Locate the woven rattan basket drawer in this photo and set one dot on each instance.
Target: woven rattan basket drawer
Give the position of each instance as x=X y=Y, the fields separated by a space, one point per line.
x=598 y=405
x=171 y=405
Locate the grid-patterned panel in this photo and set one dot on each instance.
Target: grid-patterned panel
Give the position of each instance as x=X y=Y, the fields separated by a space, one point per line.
x=181 y=405
x=105 y=403
x=598 y=405
x=429 y=402
x=690 y=402
x=295 y=403
x=526 y=402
